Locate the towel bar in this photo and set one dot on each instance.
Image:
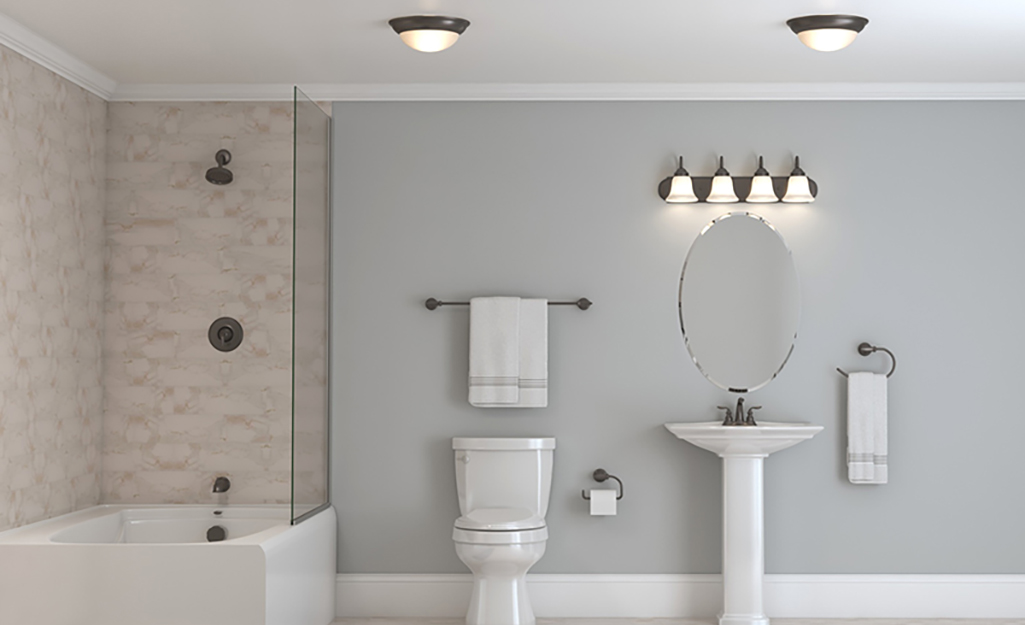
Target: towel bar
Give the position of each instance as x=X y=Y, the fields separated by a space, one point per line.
x=866 y=349
x=583 y=303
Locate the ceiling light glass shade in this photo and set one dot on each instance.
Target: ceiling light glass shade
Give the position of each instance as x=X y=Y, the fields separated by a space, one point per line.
x=681 y=190
x=762 y=191
x=798 y=189
x=827 y=33
x=722 y=187
x=429 y=40
x=827 y=39
x=429 y=33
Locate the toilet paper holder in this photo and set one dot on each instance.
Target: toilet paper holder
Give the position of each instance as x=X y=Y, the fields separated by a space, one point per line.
x=600 y=475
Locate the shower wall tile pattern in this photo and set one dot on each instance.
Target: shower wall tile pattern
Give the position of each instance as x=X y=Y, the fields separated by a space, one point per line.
x=182 y=252
x=52 y=181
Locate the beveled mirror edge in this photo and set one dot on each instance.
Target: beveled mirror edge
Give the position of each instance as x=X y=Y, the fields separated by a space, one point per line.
x=679 y=303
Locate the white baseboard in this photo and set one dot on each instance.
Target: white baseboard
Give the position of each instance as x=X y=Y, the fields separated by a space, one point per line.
x=695 y=596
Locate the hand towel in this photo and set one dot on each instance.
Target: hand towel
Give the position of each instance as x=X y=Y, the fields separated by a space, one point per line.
x=533 y=382
x=866 y=428
x=494 y=351
x=508 y=364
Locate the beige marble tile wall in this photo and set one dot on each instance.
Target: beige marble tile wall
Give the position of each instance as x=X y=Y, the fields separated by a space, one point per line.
x=52 y=163
x=181 y=253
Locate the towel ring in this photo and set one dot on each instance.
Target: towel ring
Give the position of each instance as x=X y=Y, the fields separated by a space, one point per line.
x=866 y=349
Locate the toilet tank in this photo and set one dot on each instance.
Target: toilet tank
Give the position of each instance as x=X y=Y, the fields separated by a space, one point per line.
x=503 y=473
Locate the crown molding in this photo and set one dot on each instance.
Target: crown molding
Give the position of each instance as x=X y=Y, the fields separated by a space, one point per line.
x=27 y=43
x=473 y=92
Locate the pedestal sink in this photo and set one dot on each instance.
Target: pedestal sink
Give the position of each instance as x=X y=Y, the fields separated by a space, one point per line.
x=743 y=450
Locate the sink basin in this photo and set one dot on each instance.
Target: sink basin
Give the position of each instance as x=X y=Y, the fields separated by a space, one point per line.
x=728 y=440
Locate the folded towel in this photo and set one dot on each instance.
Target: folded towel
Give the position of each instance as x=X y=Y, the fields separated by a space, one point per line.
x=866 y=428
x=508 y=352
x=494 y=350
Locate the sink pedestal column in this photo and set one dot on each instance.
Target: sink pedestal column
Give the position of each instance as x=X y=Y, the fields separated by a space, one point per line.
x=743 y=562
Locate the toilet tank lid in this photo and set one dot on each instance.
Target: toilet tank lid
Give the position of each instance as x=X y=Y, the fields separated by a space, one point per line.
x=503 y=444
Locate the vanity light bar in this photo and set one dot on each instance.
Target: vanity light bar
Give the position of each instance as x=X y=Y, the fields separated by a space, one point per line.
x=682 y=188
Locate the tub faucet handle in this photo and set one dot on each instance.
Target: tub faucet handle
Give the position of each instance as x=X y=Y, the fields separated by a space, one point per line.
x=222 y=484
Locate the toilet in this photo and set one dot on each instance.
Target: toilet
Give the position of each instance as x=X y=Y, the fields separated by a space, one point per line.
x=503 y=486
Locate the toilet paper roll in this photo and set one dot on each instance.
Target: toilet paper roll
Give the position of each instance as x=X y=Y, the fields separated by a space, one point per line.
x=603 y=502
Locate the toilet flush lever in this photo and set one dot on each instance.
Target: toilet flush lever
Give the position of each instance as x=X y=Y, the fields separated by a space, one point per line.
x=600 y=475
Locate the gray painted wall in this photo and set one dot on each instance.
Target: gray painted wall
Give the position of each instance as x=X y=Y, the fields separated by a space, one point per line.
x=915 y=243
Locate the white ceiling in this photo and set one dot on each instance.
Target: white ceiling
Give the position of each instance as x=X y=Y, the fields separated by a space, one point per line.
x=531 y=41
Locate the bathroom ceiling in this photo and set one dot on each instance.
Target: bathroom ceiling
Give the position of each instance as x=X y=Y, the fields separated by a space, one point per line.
x=531 y=41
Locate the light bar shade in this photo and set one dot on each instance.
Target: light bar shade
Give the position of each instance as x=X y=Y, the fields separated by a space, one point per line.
x=681 y=189
x=798 y=188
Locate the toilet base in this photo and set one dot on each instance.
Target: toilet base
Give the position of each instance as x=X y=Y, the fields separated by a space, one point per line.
x=500 y=582
x=497 y=601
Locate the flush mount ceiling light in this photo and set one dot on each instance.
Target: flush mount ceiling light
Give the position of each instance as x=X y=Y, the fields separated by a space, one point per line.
x=827 y=33
x=429 y=33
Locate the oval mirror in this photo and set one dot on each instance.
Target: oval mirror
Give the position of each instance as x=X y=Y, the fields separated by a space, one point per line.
x=739 y=302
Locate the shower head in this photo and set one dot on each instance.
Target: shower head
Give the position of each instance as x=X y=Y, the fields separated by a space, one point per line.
x=220 y=174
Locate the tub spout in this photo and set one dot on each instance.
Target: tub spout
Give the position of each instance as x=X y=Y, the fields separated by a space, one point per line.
x=222 y=484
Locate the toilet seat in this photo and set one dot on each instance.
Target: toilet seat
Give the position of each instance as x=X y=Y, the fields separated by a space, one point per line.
x=500 y=520
x=522 y=537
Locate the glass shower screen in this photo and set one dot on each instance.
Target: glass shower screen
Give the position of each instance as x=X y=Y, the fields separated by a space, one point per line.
x=310 y=297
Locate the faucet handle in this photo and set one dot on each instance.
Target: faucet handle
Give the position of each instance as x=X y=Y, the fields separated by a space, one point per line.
x=729 y=415
x=751 y=415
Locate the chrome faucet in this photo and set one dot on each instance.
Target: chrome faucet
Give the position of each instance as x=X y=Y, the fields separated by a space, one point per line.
x=222 y=484
x=738 y=418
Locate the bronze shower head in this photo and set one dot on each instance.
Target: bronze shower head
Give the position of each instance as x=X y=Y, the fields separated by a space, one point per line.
x=220 y=175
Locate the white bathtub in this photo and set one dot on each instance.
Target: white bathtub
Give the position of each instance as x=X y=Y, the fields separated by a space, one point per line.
x=153 y=565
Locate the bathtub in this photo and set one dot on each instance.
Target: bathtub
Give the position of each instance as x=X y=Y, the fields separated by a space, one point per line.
x=155 y=565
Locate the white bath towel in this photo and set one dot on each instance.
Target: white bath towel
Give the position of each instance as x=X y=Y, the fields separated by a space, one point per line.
x=508 y=364
x=533 y=382
x=866 y=428
x=494 y=351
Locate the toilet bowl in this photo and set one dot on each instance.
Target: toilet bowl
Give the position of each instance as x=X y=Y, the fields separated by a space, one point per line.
x=503 y=486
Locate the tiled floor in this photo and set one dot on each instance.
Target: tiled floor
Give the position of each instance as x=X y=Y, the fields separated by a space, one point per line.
x=384 y=621
x=682 y=621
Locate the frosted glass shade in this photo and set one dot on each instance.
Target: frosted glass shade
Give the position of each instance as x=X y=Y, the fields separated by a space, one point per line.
x=798 y=191
x=827 y=39
x=681 y=191
x=762 y=191
x=722 y=191
x=429 y=40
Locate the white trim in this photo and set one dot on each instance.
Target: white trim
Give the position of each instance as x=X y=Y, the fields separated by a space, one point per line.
x=696 y=596
x=27 y=43
x=576 y=92
x=146 y=92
